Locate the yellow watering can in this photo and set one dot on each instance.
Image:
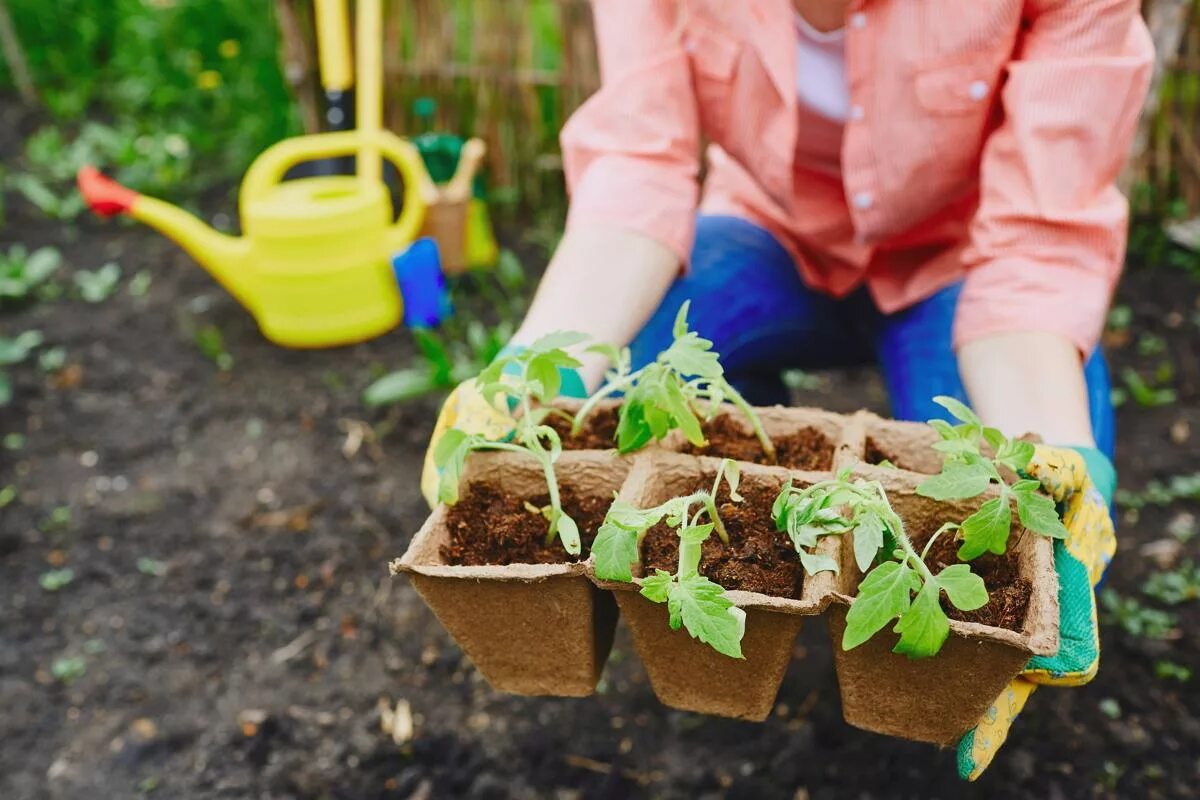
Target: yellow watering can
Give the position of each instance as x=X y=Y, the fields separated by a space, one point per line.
x=314 y=261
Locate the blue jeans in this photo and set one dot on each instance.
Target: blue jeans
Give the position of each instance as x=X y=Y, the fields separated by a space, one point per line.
x=748 y=298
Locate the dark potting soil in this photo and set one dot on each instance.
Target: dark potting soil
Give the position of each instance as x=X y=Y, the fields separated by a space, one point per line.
x=877 y=455
x=1008 y=592
x=599 y=430
x=757 y=559
x=488 y=526
x=806 y=448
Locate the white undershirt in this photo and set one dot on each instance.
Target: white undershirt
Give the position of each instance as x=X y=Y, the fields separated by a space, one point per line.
x=821 y=71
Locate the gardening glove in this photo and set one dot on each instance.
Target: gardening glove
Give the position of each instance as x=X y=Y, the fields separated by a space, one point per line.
x=1082 y=481
x=468 y=410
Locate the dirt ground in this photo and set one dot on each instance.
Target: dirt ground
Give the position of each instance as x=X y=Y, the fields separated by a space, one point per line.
x=232 y=632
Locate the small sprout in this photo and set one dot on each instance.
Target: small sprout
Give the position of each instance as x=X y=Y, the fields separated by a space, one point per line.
x=1143 y=393
x=14 y=441
x=21 y=272
x=1169 y=670
x=150 y=566
x=1175 y=586
x=967 y=473
x=1110 y=708
x=52 y=359
x=68 y=669
x=664 y=395
x=1136 y=619
x=212 y=345
x=96 y=286
x=56 y=579
x=139 y=284
x=58 y=520
x=7 y=495
x=693 y=601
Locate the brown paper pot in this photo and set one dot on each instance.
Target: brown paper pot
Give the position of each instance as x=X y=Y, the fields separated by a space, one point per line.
x=940 y=698
x=534 y=629
x=685 y=673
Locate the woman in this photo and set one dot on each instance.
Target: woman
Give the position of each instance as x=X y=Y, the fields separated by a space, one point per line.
x=928 y=183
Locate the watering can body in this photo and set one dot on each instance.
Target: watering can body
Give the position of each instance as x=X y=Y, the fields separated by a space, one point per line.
x=313 y=264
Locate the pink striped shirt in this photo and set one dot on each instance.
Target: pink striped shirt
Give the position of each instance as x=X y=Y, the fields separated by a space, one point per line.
x=983 y=142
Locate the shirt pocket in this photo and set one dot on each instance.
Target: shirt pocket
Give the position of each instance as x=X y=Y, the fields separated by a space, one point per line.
x=714 y=57
x=959 y=89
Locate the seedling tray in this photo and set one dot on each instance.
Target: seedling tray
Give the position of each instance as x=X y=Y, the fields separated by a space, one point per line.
x=940 y=698
x=531 y=629
x=683 y=672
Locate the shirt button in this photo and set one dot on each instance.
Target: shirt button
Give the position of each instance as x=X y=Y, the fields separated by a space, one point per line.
x=856 y=112
x=863 y=200
x=858 y=20
x=978 y=90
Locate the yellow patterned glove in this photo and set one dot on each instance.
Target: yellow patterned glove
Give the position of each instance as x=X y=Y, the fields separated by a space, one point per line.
x=1082 y=481
x=469 y=411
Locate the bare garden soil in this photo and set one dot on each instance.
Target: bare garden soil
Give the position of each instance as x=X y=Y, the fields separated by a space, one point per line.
x=231 y=631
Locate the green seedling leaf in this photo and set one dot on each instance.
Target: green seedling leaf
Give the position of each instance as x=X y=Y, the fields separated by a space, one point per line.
x=868 y=538
x=965 y=589
x=96 y=286
x=568 y=534
x=400 y=386
x=956 y=482
x=615 y=552
x=1015 y=454
x=957 y=410
x=657 y=587
x=815 y=562
x=987 y=529
x=558 y=340
x=884 y=594
x=1037 y=512
x=923 y=627
x=707 y=614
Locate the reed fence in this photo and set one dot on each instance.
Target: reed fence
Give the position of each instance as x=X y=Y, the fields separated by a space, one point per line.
x=512 y=71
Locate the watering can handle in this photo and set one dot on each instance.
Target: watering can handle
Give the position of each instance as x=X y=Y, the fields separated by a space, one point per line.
x=268 y=170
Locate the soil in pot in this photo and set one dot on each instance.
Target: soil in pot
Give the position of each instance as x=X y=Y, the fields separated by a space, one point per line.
x=512 y=533
x=806 y=448
x=1008 y=592
x=599 y=430
x=757 y=559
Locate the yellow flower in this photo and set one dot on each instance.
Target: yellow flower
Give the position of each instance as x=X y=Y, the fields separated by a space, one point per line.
x=229 y=48
x=208 y=79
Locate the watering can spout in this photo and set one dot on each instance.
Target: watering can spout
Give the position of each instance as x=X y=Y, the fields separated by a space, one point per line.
x=223 y=256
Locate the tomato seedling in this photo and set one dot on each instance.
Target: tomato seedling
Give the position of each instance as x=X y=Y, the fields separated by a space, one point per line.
x=900 y=586
x=968 y=473
x=528 y=382
x=665 y=394
x=693 y=601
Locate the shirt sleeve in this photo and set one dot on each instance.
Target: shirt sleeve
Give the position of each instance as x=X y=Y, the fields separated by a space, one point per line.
x=1048 y=241
x=631 y=152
